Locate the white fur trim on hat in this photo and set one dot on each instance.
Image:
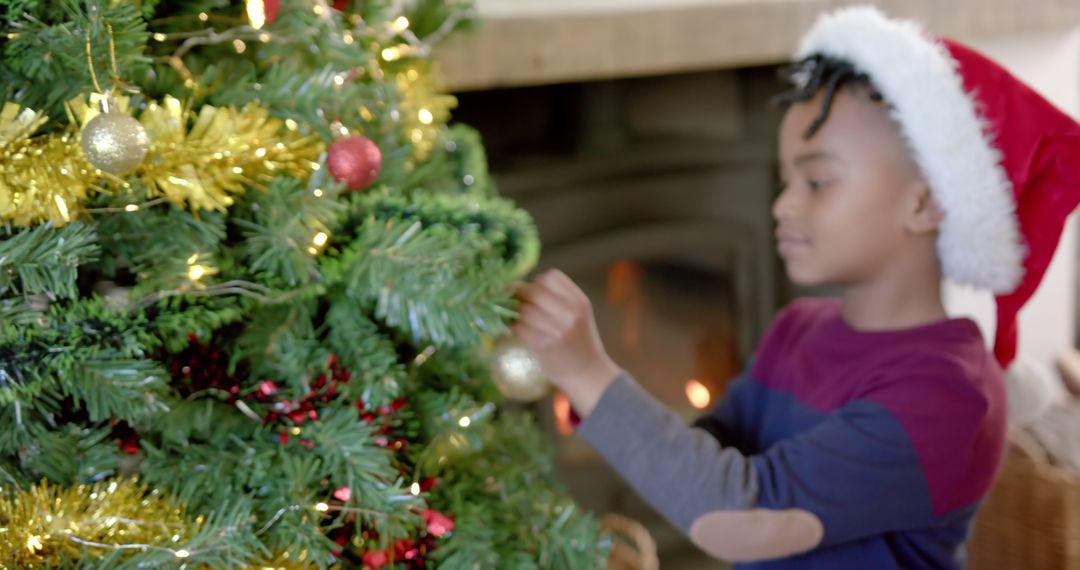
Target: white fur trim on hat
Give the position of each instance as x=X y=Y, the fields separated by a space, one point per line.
x=979 y=241
x=1029 y=389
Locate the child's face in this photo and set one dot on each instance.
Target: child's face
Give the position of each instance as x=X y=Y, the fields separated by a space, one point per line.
x=849 y=193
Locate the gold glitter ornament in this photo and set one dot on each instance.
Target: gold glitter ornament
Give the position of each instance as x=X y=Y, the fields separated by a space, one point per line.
x=114 y=141
x=52 y=526
x=516 y=373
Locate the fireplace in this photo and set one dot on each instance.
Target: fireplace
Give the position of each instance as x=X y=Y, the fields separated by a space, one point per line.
x=654 y=195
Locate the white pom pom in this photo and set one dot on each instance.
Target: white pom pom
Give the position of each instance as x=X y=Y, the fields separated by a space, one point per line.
x=1030 y=390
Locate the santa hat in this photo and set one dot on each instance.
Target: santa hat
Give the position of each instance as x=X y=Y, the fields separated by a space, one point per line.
x=1002 y=162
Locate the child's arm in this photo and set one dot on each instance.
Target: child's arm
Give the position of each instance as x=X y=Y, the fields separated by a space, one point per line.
x=912 y=451
x=650 y=446
x=708 y=491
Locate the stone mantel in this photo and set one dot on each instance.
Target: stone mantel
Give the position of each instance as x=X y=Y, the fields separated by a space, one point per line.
x=536 y=42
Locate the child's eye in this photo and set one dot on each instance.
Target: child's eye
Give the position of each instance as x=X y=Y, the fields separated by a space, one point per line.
x=816 y=185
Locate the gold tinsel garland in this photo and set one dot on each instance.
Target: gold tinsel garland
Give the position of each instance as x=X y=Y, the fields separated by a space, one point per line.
x=41 y=178
x=47 y=525
x=423 y=108
x=202 y=167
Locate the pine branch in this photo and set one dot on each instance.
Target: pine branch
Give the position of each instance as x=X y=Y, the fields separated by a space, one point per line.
x=351 y=458
x=511 y=488
x=175 y=318
x=57 y=453
x=225 y=539
x=280 y=342
x=362 y=348
x=204 y=421
x=448 y=441
x=434 y=20
x=309 y=97
x=439 y=267
x=203 y=476
x=20 y=310
x=427 y=282
x=117 y=388
x=509 y=230
x=161 y=264
x=82 y=332
x=45 y=259
x=466 y=370
x=441 y=283
x=48 y=56
x=458 y=165
x=297 y=530
x=282 y=233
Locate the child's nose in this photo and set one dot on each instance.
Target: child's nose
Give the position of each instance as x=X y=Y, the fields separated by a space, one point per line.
x=784 y=206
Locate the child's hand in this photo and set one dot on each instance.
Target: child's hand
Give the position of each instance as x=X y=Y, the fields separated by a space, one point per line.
x=557 y=326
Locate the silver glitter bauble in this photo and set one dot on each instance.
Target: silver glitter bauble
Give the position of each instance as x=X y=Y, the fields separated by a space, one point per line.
x=516 y=373
x=114 y=142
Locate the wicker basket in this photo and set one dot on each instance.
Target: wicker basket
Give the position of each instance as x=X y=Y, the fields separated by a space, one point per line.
x=633 y=548
x=1031 y=518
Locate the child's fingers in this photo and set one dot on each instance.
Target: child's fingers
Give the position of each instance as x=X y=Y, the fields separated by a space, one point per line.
x=531 y=336
x=557 y=284
x=539 y=319
x=547 y=301
x=567 y=287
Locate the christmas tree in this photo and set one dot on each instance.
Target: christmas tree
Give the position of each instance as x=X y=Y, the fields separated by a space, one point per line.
x=250 y=282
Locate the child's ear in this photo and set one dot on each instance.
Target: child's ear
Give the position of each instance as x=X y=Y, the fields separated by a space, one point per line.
x=924 y=214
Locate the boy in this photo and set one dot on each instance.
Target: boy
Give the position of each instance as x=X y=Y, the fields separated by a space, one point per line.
x=869 y=428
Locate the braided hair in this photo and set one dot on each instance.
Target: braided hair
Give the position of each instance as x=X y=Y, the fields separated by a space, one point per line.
x=812 y=74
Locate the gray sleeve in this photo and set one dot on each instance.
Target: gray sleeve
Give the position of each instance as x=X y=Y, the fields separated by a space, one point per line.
x=683 y=472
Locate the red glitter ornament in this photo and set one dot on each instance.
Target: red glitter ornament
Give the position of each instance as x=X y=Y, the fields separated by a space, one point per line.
x=355 y=160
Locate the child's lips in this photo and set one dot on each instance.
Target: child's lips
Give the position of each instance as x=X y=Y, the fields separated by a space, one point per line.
x=787 y=242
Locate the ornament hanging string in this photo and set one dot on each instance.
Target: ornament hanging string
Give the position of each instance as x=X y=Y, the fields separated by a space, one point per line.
x=117 y=81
